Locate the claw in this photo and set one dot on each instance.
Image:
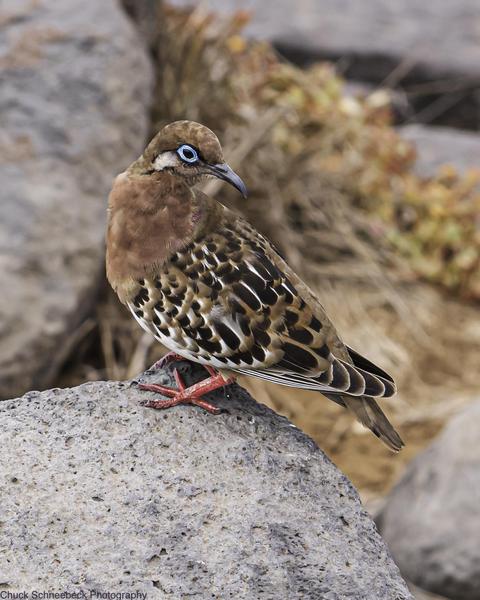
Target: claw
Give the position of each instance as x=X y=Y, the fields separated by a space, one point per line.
x=162 y=404
x=184 y=395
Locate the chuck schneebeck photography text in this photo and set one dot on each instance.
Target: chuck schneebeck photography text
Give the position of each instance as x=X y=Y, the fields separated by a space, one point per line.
x=78 y=595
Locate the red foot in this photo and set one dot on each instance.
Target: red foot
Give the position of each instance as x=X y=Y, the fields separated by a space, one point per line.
x=190 y=395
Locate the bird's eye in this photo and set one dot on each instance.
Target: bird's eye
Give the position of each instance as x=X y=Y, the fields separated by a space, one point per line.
x=187 y=154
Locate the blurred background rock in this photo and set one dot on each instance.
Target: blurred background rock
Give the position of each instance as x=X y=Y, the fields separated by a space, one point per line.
x=356 y=128
x=69 y=121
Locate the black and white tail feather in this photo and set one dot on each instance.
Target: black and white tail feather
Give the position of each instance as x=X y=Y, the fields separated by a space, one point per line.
x=363 y=385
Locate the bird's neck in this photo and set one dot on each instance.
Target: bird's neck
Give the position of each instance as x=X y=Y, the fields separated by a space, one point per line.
x=150 y=218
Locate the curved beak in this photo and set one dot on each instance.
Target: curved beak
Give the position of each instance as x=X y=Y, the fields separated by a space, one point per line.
x=223 y=171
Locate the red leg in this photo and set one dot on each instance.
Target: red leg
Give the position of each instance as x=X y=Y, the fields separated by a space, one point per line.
x=167 y=359
x=190 y=395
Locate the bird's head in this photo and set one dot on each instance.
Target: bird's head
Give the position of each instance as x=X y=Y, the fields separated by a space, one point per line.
x=191 y=151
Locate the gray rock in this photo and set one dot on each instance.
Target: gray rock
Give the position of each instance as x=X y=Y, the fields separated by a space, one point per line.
x=440 y=35
x=431 y=521
x=420 y=594
x=99 y=492
x=403 y=41
x=75 y=87
x=437 y=146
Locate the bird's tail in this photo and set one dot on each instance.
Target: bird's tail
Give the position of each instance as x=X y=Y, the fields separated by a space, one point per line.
x=371 y=415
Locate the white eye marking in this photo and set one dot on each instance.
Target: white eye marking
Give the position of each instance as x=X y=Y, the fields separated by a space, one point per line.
x=165 y=159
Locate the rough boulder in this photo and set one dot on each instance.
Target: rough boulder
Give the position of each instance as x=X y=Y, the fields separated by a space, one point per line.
x=102 y=493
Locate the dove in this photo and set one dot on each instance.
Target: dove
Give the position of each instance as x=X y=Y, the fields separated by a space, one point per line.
x=213 y=290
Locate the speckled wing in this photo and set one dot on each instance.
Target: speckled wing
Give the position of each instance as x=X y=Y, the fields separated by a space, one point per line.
x=229 y=301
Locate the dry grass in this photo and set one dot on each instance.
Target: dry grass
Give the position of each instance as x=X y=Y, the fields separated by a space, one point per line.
x=330 y=184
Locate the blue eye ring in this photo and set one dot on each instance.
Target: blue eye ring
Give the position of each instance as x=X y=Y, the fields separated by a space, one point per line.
x=188 y=154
